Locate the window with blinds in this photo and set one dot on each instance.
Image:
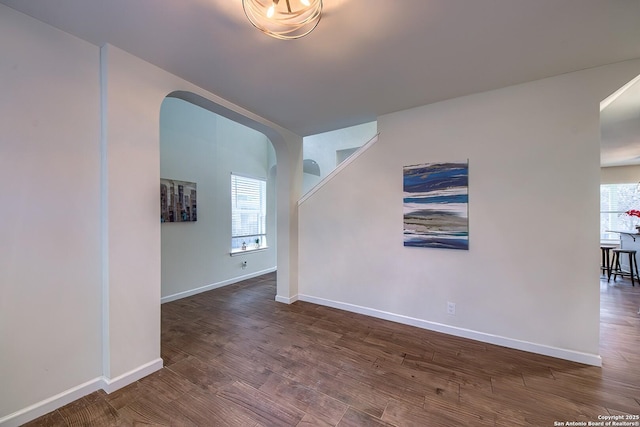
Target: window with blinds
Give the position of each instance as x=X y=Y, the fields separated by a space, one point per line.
x=248 y=213
x=615 y=200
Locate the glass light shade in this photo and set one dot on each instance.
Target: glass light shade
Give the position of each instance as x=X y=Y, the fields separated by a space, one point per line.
x=288 y=19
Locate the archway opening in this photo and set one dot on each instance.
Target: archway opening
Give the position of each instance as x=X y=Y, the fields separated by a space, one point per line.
x=213 y=233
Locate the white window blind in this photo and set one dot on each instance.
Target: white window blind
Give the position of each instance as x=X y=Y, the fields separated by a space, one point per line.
x=248 y=212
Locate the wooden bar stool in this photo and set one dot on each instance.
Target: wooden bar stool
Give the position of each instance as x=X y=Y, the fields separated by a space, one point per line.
x=616 y=270
x=606 y=259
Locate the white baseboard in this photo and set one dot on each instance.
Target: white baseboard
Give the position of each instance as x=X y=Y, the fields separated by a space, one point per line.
x=286 y=300
x=560 y=353
x=112 y=384
x=52 y=403
x=216 y=285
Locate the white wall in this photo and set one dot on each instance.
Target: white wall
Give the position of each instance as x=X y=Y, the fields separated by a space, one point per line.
x=50 y=265
x=131 y=230
x=199 y=146
x=80 y=254
x=135 y=91
x=530 y=278
x=322 y=148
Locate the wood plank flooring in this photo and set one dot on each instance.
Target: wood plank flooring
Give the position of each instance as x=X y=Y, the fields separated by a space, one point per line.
x=235 y=357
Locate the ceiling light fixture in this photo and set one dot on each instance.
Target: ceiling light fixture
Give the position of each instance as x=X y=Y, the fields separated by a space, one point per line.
x=284 y=19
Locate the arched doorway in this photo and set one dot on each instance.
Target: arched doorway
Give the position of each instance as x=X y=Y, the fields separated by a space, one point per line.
x=204 y=152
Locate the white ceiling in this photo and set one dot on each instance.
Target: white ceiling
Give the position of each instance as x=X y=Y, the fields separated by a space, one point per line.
x=620 y=128
x=366 y=57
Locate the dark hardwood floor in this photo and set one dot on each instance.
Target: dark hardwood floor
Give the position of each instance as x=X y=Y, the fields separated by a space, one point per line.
x=235 y=357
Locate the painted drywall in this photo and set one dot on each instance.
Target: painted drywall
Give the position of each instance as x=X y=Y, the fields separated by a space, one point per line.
x=199 y=146
x=81 y=237
x=620 y=174
x=134 y=236
x=50 y=266
x=322 y=149
x=132 y=152
x=530 y=277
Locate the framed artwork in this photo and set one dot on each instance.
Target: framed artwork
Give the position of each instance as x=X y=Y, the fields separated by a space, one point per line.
x=436 y=200
x=178 y=201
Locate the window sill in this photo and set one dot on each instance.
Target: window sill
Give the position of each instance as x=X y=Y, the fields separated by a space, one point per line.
x=235 y=252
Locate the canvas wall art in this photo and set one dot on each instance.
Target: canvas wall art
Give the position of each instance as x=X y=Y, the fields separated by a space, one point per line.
x=436 y=205
x=178 y=201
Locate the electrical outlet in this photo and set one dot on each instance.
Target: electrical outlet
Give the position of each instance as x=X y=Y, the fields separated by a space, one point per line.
x=451 y=308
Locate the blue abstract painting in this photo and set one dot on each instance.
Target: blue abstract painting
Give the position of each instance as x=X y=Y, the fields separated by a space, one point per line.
x=436 y=200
